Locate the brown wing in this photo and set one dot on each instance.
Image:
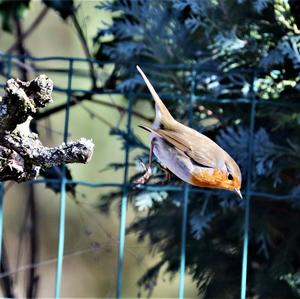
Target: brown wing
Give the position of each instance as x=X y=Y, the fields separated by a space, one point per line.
x=202 y=151
x=198 y=150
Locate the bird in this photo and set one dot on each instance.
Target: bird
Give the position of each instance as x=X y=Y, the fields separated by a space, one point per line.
x=188 y=154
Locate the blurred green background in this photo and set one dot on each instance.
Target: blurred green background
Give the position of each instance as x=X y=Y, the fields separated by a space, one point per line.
x=91 y=243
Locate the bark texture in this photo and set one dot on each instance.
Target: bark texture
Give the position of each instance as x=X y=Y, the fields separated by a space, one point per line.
x=22 y=154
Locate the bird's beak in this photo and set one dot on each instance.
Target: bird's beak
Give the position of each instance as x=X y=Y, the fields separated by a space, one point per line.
x=238 y=192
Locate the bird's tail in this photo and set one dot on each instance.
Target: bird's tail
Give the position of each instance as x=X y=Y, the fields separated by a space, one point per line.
x=165 y=116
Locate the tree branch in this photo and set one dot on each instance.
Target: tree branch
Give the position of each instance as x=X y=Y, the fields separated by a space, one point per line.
x=21 y=152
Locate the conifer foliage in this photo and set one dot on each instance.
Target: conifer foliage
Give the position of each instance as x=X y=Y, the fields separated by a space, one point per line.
x=236 y=52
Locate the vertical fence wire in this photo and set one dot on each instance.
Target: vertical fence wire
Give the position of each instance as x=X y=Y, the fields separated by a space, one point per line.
x=183 y=241
x=185 y=203
x=123 y=216
x=62 y=206
x=248 y=196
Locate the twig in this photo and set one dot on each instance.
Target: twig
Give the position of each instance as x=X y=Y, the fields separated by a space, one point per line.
x=43 y=263
x=85 y=49
x=32 y=284
x=20 y=64
x=31 y=28
x=34 y=152
x=21 y=238
x=88 y=97
x=95 y=115
x=119 y=107
x=58 y=108
x=6 y=281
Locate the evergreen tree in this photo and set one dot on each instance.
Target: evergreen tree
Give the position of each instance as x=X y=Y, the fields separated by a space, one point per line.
x=237 y=52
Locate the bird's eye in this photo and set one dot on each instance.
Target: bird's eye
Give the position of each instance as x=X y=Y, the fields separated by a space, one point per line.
x=230 y=177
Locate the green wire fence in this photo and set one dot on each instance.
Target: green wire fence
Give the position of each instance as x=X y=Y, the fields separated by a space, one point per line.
x=10 y=62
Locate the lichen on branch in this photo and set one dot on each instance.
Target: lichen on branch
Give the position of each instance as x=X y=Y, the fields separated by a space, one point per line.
x=22 y=154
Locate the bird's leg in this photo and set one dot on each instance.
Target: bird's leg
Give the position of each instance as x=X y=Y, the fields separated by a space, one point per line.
x=148 y=172
x=168 y=175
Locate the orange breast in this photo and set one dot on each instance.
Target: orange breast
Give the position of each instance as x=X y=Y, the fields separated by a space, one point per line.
x=214 y=179
x=207 y=178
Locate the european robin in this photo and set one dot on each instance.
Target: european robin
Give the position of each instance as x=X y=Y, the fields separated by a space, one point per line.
x=190 y=155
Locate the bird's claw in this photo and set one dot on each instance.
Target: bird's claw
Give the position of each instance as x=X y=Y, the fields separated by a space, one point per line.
x=145 y=177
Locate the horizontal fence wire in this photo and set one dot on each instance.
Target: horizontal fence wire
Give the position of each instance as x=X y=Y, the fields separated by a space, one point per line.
x=11 y=61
